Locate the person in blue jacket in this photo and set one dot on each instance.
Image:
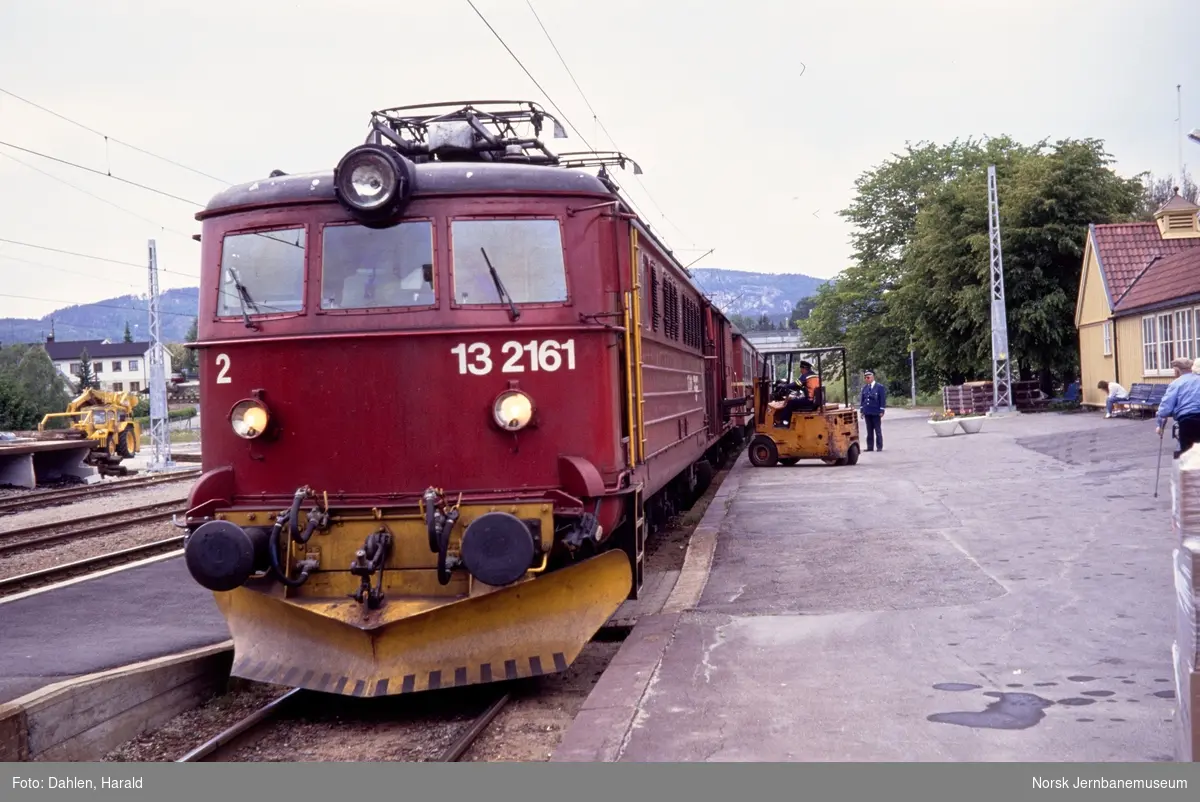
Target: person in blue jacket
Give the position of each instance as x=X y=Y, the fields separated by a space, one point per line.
x=871 y=404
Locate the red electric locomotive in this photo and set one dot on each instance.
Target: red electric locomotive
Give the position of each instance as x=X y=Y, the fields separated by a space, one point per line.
x=449 y=388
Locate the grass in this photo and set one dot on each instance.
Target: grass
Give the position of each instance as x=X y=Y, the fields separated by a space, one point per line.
x=178 y=436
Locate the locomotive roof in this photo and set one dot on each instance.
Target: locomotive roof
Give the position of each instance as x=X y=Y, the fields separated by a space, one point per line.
x=433 y=178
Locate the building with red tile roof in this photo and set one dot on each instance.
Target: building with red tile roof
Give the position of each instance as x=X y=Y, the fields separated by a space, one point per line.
x=1139 y=298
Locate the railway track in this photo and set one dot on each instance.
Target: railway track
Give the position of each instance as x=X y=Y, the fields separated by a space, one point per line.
x=222 y=746
x=28 y=501
x=55 y=531
x=58 y=573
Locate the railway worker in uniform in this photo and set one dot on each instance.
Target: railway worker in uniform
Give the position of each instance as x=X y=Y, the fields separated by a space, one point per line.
x=871 y=403
x=1181 y=401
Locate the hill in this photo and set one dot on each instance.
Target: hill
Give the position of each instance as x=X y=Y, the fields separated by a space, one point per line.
x=736 y=292
x=106 y=319
x=739 y=292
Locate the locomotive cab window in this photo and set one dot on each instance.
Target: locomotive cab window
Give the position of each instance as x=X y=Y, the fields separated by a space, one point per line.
x=527 y=256
x=262 y=273
x=365 y=268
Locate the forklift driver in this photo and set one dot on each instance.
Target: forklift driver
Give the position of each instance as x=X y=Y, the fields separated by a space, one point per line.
x=805 y=391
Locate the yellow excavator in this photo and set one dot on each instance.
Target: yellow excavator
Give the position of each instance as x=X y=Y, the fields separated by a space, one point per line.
x=106 y=419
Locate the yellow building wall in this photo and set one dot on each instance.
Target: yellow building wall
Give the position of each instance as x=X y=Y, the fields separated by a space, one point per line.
x=1093 y=302
x=1129 y=353
x=1094 y=366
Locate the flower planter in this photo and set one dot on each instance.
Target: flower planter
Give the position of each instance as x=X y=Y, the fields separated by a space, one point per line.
x=971 y=425
x=944 y=428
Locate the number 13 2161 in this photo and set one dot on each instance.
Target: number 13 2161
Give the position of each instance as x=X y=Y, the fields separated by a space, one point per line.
x=547 y=355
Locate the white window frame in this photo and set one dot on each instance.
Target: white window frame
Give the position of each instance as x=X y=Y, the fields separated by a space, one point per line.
x=1166 y=336
x=1184 y=333
x=1149 y=346
x=1107 y=329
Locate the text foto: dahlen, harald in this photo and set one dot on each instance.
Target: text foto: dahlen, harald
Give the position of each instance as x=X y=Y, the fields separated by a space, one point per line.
x=1103 y=782
x=82 y=783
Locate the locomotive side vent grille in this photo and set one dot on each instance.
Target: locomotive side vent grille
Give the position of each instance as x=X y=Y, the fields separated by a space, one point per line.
x=670 y=309
x=655 y=311
x=691 y=323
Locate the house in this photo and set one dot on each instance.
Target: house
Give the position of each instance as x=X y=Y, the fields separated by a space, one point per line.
x=1138 y=306
x=117 y=366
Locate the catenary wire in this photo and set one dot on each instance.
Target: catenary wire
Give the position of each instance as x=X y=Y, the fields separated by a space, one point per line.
x=550 y=100
x=596 y=117
x=99 y=172
x=108 y=138
x=97 y=197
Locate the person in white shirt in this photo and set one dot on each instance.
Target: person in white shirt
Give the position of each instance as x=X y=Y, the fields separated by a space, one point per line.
x=1115 y=393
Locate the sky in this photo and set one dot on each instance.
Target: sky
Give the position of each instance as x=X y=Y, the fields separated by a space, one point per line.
x=751 y=120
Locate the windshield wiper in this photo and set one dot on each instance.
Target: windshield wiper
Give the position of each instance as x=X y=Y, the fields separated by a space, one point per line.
x=244 y=298
x=513 y=312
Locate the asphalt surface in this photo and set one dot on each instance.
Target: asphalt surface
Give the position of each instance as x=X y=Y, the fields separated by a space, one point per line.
x=107 y=622
x=1004 y=596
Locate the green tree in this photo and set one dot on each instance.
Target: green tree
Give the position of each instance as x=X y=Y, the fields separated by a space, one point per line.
x=85 y=376
x=30 y=386
x=1048 y=196
x=922 y=258
x=128 y=334
x=1160 y=190
x=189 y=364
x=801 y=311
x=16 y=413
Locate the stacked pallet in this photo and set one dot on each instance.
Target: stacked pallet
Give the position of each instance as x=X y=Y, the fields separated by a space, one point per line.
x=1028 y=396
x=1185 y=521
x=976 y=398
x=972 y=398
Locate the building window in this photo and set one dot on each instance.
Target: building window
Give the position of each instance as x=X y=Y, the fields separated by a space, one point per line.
x=118 y=387
x=1108 y=343
x=133 y=364
x=1149 y=347
x=96 y=367
x=1183 y=334
x=116 y=367
x=74 y=369
x=1166 y=341
x=135 y=387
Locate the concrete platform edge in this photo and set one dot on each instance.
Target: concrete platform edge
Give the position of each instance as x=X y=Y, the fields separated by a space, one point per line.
x=598 y=734
x=83 y=718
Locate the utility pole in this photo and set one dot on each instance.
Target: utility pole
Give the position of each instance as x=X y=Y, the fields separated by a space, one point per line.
x=912 y=365
x=1179 y=119
x=1001 y=370
x=160 y=430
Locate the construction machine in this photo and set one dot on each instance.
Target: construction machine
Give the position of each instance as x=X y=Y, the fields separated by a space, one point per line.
x=106 y=419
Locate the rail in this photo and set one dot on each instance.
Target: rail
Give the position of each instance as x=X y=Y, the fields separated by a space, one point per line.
x=27 y=537
x=27 y=501
x=224 y=743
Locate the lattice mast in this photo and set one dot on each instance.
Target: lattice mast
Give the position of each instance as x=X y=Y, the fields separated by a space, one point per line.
x=1001 y=370
x=160 y=435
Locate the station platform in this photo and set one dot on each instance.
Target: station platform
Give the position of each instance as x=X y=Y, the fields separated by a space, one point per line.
x=1000 y=596
x=112 y=620
x=26 y=462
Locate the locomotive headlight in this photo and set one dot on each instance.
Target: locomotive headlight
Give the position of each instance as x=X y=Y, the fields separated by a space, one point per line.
x=374 y=182
x=513 y=410
x=366 y=179
x=249 y=419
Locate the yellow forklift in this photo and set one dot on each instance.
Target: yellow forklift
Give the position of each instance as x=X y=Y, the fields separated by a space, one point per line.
x=106 y=419
x=795 y=424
